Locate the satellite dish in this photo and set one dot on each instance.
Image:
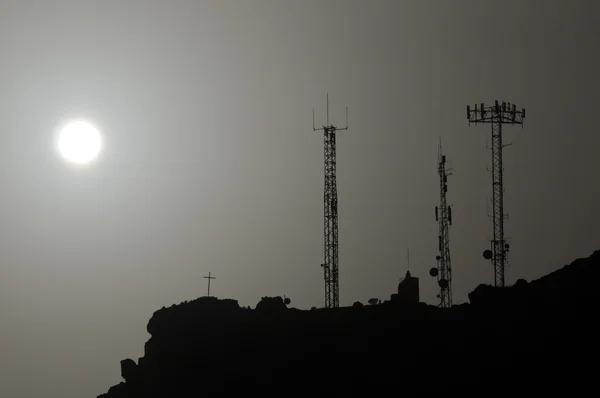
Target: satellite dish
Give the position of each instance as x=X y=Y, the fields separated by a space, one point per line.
x=487 y=254
x=287 y=301
x=373 y=301
x=438 y=258
x=433 y=272
x=443 y=283
x=506 y=246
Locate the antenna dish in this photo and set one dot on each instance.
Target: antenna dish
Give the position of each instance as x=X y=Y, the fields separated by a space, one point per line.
x=487 y=254
x=443 y=283
x=438 y=258
x=506 y=246
x=433 y=272
x=287 y=301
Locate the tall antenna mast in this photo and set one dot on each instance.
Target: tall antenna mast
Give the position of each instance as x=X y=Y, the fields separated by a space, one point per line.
x=330 y=266
x=497 y=115
x=443 y=215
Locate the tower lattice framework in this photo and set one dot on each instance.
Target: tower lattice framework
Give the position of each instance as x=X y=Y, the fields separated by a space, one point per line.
x=497 y=115
x=443 y=215
x=331 y=240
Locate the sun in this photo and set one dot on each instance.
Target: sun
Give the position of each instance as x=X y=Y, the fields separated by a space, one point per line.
x=79 y=142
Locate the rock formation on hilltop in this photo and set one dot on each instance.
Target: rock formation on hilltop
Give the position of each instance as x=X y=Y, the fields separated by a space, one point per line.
x=539 y=335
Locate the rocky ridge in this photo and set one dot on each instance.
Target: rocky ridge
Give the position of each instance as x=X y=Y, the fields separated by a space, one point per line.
x=539 y=335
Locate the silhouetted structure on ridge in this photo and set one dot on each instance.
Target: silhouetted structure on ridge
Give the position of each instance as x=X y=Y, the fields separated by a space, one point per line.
x=443 y=215
x=408 y=290
x=330 y=266
x=540 y=328
x=209 y=279
x=497 y=116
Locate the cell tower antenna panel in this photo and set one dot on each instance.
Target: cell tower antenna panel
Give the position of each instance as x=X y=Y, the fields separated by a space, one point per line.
x=497 y=115
x=331 y=241
x=443 y=215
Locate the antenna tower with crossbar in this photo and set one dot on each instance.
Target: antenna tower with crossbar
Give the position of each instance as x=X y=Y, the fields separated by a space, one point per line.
x=331 y=261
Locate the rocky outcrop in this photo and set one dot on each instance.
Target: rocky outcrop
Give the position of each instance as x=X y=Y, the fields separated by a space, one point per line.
x=129 y=370
x=271 y=305
x=532 y=336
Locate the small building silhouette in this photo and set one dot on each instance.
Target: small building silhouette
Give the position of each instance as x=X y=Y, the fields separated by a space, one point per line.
x=408 y=290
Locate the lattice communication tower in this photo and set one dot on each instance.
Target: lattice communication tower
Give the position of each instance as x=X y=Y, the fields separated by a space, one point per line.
x=497 y=115
x=331 y=261
x=443 y=215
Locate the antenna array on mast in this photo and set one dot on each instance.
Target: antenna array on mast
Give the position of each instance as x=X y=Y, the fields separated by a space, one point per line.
x=331 y=260
x=443 y=215
x=497 y=115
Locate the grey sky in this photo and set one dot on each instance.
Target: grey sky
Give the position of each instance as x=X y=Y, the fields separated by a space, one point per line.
x=211 y=164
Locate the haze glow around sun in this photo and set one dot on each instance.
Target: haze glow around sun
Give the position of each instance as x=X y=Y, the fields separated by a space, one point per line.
x=79 y=142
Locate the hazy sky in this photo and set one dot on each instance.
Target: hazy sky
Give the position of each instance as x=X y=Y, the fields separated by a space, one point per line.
x=211 y=164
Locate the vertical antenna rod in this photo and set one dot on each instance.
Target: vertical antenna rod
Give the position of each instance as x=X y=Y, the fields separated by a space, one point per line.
x=497 y=115
x=330 y=266
x=443 y=215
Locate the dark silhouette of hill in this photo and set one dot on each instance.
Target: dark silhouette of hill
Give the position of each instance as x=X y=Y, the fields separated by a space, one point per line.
x=539 y=336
